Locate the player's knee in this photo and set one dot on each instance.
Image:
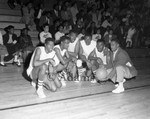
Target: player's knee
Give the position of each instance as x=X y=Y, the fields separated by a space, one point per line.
x=119 y=68
x=43 y=67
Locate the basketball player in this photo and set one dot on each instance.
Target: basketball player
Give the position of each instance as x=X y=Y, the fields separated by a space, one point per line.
x=63 y=58
x=38 y=67
x=100 y=57
x=73 y=50
x=122 y=66
x=86 y=47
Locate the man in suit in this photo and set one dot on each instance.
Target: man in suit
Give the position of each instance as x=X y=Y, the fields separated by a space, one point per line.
x=122 y=66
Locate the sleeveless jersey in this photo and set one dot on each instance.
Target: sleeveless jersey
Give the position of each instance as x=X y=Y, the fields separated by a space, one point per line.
x=43 y=56
x=101 y=55
x=57 y=61
x=87 y=49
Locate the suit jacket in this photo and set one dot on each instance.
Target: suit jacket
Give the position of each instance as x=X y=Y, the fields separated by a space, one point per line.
x=122 y=59
x=6 y=38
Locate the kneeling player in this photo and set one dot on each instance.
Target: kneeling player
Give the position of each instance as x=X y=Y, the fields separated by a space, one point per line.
x=41 y=68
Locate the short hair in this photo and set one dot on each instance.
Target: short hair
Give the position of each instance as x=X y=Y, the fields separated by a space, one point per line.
x=88 y=34
x=101 y=41
x=44 y=25
x=115 y=40
x=73 y=31
x=47 y=40
x=63 y=38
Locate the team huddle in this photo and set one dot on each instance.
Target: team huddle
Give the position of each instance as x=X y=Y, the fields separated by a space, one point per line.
x=75 y=59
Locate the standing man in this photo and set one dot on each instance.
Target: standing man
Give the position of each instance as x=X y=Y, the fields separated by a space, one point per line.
x=41 y=65
x=122 y=66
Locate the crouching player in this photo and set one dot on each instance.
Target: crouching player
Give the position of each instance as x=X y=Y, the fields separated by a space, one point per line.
x=41 y=68
x=100 y=57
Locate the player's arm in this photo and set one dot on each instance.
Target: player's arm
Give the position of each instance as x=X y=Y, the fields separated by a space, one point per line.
x=76 y=50
x=60 y=57
x=36 y=59
x=82 y=57
x=92 y=56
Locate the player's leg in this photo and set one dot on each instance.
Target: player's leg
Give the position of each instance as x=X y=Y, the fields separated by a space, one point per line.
x=40 y=74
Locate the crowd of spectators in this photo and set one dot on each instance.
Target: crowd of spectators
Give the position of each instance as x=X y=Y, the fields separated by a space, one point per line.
x=128 y=20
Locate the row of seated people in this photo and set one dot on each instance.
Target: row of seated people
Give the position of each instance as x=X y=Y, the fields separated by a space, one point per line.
x=51 y=64
x=14 y=48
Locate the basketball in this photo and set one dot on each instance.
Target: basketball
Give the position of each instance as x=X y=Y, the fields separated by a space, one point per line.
x=101 y=74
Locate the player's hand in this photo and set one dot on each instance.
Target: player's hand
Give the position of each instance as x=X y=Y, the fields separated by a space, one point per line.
x=99 y=60
x=52 y=62
x=89 y=64
x=14 y=42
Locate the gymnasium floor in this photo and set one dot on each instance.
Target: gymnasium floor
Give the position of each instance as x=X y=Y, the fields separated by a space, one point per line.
x=83 y=100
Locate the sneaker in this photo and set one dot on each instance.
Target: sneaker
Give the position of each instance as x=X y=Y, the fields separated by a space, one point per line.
x=63 y=83
x=118 y=90
x=93 y=81
x=40 y=93
x=64 y=74
x=33 y=84
x=124 y=80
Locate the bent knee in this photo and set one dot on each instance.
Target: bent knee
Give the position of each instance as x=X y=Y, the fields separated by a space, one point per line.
x=120 y=67
x=43 y=67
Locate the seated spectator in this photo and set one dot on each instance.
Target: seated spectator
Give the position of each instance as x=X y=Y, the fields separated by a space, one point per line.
x=10 y=40
x=67 y=27
x=45 y=34
x=25 y=43
x=3 y=51
x=97 y=35
x=28 y=16
x=59 y=34
x=109 y=37
x=82 y=34
x=54 y=28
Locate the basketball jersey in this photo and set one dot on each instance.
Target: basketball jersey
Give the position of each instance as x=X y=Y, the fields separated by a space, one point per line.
x=101 y=55
x=72 y=46
x=87 y=49
x=57 y=61
x=43 y=56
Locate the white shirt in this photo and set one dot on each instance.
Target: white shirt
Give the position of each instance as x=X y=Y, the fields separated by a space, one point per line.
x=44 y=35
x=87 y=49
x=62 y=52
x=58 y=35
x=101 y=55
x=43 y=56
x=72 y=46
x=114 y=54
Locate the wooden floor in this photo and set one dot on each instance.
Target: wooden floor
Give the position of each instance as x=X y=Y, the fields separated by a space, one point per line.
x=83 y=100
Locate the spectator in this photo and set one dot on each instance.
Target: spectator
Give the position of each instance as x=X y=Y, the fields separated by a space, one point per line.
x=28 y=16
x=3 y=51
x=10 y=41
x=45 y=34
x=25 y=43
